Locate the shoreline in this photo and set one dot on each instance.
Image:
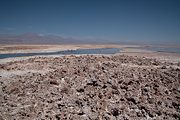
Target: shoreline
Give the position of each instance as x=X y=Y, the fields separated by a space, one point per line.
x=130 y=50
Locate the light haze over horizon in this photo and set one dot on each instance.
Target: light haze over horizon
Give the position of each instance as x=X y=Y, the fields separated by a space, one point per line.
x=148 y=21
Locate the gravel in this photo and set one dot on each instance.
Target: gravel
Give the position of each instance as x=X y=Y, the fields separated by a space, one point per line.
x=90 y=87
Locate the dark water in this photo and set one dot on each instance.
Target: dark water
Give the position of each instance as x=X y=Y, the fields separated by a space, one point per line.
x=66 y=52
x=163 y=49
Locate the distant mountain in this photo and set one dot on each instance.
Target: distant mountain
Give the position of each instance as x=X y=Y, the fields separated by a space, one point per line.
x=33 y=38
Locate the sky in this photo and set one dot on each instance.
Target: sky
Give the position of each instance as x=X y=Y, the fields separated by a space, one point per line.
x=116 y=20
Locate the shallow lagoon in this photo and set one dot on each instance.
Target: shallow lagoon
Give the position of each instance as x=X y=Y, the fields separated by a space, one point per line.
x=163 y=49
x=65 y=52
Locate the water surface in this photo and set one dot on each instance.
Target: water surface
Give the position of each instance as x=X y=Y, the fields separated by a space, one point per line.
x=65 y=52
x=164 y=49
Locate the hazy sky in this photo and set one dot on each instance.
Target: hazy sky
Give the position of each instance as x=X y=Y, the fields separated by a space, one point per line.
x=118 y=20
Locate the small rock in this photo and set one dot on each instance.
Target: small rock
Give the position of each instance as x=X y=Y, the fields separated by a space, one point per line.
x=58 y=117
x=115 y=112
x=178 y=89
x=81 y=113
x=163 y=67
x=54 y=82
x=92 y=82
x=132 y=100
x=80 y=90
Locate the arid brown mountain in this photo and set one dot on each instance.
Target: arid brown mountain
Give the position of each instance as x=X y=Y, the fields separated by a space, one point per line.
x=33 y=38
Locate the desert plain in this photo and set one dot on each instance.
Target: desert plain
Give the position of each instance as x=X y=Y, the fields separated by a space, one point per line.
x=134 y=84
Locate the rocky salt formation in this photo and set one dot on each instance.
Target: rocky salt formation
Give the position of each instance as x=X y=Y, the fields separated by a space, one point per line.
x=90 y=88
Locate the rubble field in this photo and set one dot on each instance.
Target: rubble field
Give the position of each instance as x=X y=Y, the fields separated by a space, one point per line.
x=90 y=87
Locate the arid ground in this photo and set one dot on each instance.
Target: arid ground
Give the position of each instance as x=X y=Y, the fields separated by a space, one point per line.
x=131 y=85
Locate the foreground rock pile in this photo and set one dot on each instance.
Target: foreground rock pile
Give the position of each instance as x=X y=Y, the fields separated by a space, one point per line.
x=90 y=88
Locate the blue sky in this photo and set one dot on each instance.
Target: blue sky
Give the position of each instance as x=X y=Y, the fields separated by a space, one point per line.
x=116 y=20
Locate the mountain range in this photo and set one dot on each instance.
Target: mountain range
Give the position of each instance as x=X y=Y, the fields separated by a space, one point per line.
x=34 y=38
